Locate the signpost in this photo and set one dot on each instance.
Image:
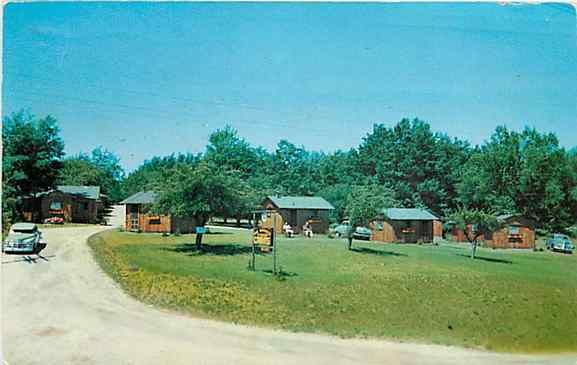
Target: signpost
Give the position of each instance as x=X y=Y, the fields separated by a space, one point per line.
x=264 y=239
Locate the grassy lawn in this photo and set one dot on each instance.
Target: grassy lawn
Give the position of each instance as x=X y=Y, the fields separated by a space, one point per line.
x=505 y=301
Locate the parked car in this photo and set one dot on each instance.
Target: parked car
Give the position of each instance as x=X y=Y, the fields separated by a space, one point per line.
x=23 y=238
x=343 y=229
x=560 y=242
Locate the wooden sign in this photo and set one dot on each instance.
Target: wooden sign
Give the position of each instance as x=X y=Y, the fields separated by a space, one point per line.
x=262 y=236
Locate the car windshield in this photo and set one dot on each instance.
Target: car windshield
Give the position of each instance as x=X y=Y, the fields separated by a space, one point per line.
x=26 y=231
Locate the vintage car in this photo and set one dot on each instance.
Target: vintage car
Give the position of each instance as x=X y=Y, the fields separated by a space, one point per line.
x=560 y=242
x=23 y=238
x=342 y=230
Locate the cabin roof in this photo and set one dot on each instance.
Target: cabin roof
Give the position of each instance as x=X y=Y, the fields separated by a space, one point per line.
x=301 y=202
x=90 y=192
x=142 y=197
x=409 y=214
x=85 y=191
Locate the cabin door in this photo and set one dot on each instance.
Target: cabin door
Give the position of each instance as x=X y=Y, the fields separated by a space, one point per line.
x=134 y=217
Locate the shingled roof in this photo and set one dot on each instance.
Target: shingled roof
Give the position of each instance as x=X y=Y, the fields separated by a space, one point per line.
x=409 y=214
x=301 y=202
x=142 y=197
x=90 y=192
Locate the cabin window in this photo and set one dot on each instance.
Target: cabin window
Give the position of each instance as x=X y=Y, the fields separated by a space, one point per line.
x=84 y=205
x=380 y=225
x=55 y=205
x=513 y=229
x=154 y=221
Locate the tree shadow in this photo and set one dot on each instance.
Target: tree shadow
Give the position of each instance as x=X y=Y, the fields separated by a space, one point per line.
x=230 y=249
x=371 y=251
x=488 y=259
x=282 y=273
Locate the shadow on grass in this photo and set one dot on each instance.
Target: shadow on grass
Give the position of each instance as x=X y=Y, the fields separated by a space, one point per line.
x=371 y=251
x=282 y=273
x=489 y=259
x=230 y=249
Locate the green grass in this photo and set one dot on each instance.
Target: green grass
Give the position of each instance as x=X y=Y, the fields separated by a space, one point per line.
x=511 y=301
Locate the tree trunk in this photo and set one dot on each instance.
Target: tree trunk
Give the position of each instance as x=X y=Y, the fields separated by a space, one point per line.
x=201 y=222
x=225 y=219
x=238 y=221
x=474 y=249
x=199 y=241
x=350 y=238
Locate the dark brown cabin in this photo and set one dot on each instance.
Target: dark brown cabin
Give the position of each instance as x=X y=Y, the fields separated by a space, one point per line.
x=406 y=225
x=139 y=219
x=297 y=210
x=76 y=204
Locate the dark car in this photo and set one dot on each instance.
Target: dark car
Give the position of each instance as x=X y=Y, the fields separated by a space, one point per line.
x=342 y=230
x=560 y=242
x=23 y=238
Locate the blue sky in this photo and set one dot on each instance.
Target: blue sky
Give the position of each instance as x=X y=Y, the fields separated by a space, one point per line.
x=145 y=79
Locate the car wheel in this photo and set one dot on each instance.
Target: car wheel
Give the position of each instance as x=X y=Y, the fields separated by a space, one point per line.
x=338 y=235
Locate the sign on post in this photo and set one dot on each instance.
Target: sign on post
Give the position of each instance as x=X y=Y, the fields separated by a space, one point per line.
x=262 y=237
x=200 y=230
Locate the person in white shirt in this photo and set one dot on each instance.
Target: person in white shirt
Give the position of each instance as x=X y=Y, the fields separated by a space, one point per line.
x=287 y=229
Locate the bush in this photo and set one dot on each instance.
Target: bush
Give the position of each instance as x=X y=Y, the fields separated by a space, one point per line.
x=572 y=231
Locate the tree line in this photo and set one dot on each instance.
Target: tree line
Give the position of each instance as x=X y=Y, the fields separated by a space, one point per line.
x=407 y=165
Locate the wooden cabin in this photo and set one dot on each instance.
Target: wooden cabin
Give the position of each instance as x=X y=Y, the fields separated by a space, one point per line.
x=139 y=219
x=297 y=210
x=515 y=231
x=406 y=225
x=76 y=204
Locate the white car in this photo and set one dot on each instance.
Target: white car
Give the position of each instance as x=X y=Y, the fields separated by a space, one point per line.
x=23 y=238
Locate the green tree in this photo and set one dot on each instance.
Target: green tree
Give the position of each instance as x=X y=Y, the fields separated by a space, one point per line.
x=525 y=172
x=155 y=170
x=79 y=170
x=199 y=192
x=295 y=170
x=100 y=168
x=365 y=203
x=337 y=195
x=419 y=165
x=474 y=223
x=32 y=152
x=112 y=172
x=231 y=152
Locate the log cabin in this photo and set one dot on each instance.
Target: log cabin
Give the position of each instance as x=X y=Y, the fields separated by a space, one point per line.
x=406 y=225
x=514 y=231
x=138 y=217
x=73 y=203
x=297 y=210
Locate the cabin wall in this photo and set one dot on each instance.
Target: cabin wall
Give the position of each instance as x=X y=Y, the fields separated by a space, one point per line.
x=383 y=231
x=72 y=208
x=402 y=231
x=138 y=218
x=297 y=218
x=503 y=237
x=437 y=229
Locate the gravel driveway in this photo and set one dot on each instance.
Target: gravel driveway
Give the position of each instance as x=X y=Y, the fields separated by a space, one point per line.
x=60 y=308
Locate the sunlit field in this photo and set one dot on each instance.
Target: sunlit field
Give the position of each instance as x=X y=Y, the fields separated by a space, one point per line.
x=517 y=301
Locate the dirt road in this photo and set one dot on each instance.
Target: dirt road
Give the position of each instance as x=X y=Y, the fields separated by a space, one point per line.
x=60 y=308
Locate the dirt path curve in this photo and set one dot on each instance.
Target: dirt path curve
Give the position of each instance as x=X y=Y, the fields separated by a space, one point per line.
x=62 y=309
